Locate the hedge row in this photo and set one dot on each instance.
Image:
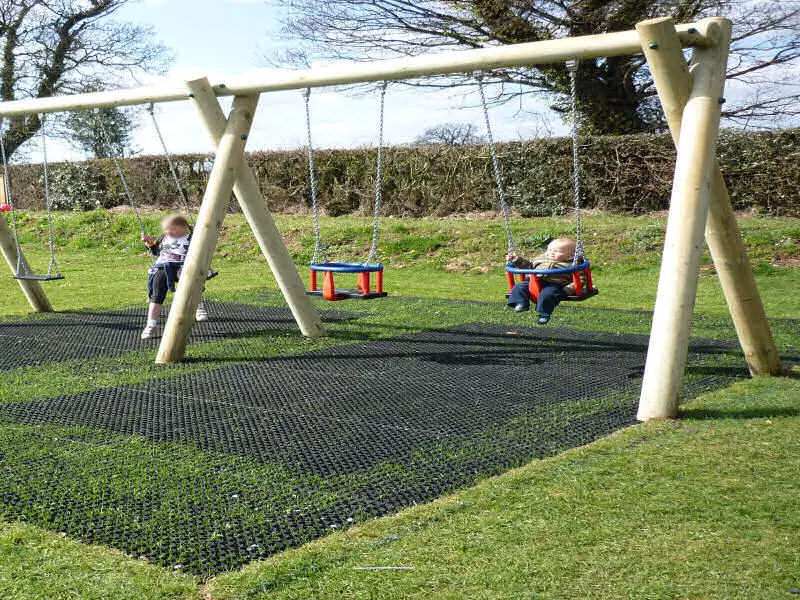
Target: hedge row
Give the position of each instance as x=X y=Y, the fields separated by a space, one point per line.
x=627 y=174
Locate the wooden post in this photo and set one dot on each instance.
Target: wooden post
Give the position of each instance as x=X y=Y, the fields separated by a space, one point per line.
x=255 y=209
x=230 y=155
x=688 y=213
x=662 y=47
x=8 y=247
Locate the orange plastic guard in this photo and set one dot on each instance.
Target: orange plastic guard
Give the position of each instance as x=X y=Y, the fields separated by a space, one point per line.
x=578 y=282
x=589 y=282
x=535 y=288
x=364 y=283
x=329 y=288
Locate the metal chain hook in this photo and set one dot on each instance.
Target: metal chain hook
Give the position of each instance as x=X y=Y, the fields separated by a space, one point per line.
x=53 y=267
x=577 y=192
x=21 y=270
x=120 y=172
x=171 y=164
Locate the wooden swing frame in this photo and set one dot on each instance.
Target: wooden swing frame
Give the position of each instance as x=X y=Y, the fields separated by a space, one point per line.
x=691 y=98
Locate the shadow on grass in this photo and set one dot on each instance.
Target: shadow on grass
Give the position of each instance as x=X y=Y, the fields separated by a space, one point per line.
x=744 y=413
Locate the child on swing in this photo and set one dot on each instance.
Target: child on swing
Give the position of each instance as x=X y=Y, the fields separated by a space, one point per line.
x=559 y=255
x=170 y=250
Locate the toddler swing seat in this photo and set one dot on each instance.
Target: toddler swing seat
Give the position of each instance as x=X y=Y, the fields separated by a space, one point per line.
x=319 y=264
x=582 y=292
x=581 y=270
x=363 y=291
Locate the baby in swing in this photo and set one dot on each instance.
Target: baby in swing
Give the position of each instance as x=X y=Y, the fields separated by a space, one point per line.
x=559 y=255
x=170 y=250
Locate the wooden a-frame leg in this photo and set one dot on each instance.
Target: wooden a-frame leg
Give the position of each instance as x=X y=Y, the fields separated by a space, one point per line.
x=32 y=289
x=670 y=73
x=255 y=209
x=680 y=266
x=230 y=155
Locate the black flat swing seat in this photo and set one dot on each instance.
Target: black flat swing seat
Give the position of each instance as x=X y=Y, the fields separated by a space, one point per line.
x=40 y=278
x=348 y=294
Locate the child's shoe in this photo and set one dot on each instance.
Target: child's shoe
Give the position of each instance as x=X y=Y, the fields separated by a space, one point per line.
x=201 y=314
x=521 y=308
x=150 y=329
x=544 y=319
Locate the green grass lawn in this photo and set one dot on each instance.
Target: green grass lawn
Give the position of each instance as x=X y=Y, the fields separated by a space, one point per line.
x=705 y=507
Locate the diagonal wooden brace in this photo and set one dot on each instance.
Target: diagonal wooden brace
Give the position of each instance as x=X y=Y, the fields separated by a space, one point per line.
x=230 y=174
x=230 y=155
x=255 y=209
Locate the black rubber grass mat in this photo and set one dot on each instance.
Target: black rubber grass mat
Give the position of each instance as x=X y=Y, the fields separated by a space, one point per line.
x=82 y=335
x=211 y=470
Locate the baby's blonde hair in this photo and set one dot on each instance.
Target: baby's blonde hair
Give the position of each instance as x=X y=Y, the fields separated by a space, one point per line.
x=568 y=242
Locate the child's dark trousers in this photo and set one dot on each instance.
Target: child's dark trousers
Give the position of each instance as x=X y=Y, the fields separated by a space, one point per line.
x=550 y=297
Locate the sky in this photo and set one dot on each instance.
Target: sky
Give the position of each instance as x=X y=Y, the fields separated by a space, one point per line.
x=229 y=38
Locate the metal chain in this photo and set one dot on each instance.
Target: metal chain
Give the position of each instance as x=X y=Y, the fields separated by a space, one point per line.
x=498 y=174
x=52 y=269
x=572 y=67
x=319 y=251
x=123 y=179
x=172 y=169
x=21 y=270
x=374 y=253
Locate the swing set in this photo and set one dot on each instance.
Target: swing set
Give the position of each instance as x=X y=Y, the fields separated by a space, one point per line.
x=699 y=205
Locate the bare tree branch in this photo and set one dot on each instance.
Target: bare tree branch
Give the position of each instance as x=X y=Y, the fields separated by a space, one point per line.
x=61 y=46
x=616 y=95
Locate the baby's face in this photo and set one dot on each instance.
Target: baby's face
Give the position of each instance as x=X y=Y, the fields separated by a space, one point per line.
x=174 y=231
x=560 y=251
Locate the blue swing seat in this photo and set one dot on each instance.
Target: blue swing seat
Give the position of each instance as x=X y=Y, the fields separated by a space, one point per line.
x=364 y=290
